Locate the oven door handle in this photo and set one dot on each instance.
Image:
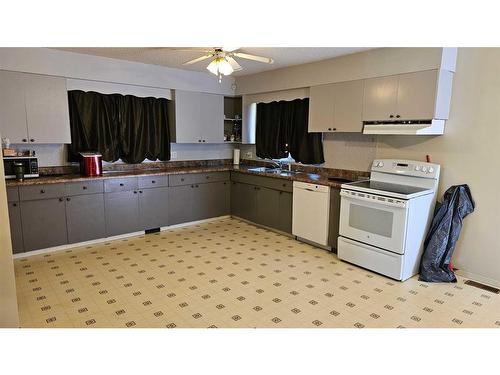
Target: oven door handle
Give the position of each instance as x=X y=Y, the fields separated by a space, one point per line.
x=397 y=203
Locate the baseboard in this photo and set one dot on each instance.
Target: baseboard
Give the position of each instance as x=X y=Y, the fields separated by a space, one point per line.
x=263 y=226
x=478 y=278
x=113 y=238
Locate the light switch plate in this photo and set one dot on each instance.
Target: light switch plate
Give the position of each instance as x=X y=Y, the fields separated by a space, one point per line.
x=248 y=154
x=173 y=155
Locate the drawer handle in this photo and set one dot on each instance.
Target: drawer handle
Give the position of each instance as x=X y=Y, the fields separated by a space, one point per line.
x=25 y=140
x=135 y=192
x=207 y=177
x=61 y=199
x=32 y=140
x=121 y=185
x=284 y=185
x=42 y=191
x=182 y=179
x=84 y=188
x=14 y=204
x=153 y=182
x=68 y=199
x=140 y=191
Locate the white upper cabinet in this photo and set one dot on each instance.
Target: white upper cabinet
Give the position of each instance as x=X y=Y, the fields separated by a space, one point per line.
x=412 y=96
x=336 y=107
x=12 y=107
x=380 y=98
x=34 y=109
x=199 y=117
x=47 y=110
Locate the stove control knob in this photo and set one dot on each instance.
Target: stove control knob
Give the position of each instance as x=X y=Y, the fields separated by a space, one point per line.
x=417 y=168
x=381 y=164
x=431 y=169
x=424 y=169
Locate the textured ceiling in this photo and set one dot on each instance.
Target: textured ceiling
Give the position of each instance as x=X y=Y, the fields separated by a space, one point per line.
x=174 y=57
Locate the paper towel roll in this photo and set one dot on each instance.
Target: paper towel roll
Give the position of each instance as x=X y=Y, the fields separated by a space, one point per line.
x=236 y=156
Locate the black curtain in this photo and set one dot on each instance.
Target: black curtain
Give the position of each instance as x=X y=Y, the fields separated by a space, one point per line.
x=144 y=131
x=94 y=124
x=120 y=127
x=281 y=127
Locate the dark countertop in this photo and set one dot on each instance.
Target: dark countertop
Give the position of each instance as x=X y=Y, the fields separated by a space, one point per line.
x=315 y=178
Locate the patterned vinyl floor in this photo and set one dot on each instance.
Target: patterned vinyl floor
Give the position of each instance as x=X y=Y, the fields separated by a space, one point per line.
x=227 y=273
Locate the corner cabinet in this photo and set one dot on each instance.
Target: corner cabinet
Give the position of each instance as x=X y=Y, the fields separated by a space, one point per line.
x=412 y=96
x=199 y=117
x=336 y=107
x=34 y=109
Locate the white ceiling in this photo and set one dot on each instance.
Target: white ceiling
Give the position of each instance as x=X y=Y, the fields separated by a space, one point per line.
x=174 y=56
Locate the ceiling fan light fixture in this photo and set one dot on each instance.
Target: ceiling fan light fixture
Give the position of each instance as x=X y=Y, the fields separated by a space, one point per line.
x=219 y=66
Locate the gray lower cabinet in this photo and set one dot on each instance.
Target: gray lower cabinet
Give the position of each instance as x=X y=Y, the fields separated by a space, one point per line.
x=85 y=217
x=267 y=207
x=243 y=201
x=44 y=223
x=16 y=231
x=122 y=212
x=153 y=208
x=334 y=217
x=180 y=204
x=284 y=223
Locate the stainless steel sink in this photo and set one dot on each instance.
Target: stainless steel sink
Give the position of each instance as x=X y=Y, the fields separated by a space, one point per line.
x=282 y=172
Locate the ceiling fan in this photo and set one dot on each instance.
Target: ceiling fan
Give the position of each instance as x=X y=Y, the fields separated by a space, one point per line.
x=223 y=62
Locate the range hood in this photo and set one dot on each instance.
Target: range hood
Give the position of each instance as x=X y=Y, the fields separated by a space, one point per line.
x=417 y=127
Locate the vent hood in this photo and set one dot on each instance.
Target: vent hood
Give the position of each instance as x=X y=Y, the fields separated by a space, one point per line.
x=417 y=127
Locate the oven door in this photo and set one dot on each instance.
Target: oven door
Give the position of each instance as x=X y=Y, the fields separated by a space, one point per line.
x=373 y=219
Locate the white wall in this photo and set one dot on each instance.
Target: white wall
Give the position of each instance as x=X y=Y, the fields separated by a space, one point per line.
x=467 y=152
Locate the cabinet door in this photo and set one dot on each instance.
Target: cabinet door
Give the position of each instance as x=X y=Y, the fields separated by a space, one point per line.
x=47 y=110
x=44 y=223
x=236 y=201
x=212 y=118
x=285 y=212
x=16 y=231
x=153 y=208
x=180 y=204
x=246 y=196
x=13 y=107
x=380 y=98
x=85 y=217
x=122 y=212
x=348 y=98
x=187 y=117
x=417 y=95
x=267 y=204
x=321 y=108
x=213 y=198
x=334 y=217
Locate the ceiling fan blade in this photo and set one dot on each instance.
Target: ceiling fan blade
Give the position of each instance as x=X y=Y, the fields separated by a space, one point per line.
x=234 y=64
x=266 y=60
x=197 y=59
x=230 y=49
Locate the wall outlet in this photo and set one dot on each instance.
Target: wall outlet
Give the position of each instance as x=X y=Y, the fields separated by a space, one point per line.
x=173 y=155
x=248 y=154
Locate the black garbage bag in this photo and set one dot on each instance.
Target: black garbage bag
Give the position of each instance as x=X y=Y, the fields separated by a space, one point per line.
x=443 y=234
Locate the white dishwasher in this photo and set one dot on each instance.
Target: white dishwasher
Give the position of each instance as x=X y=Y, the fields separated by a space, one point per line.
x=311 y=212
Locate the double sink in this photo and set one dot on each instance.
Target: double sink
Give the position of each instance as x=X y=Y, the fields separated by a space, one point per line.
x=282 y=172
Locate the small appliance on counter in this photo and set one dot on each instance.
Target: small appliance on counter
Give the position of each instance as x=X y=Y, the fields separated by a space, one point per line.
x=20 y=167
x=90 y=164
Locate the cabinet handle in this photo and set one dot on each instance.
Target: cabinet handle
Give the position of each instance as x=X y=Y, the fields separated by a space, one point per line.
x=32 y=140
x=25 y=140
x=207 y=177
x=84 y=188
x=68 y=199
x=14 y=204
x=140 y=191
x=199 y=140
x=197 y=186
x=203 y=141
x=398 y=116
x=153 y=182
x=121 y=184
x=182 y=179
x=391 y=116
x=284 y=185
x=334 y=129
x=61 y=199
x=135 y=192
x=329 y=129
x=42 y=191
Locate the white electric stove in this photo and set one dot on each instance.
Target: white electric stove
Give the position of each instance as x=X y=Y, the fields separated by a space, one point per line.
x=384 y=220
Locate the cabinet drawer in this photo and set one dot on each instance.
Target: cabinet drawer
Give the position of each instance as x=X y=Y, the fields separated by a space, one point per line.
x=29 y=193
x=153 y=181
x=85 y=187
x=269 y=182
x=12 y=194
x=120 y=184
x=197 y=178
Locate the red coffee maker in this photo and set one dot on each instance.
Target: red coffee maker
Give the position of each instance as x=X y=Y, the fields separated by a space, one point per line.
x=90 y=164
